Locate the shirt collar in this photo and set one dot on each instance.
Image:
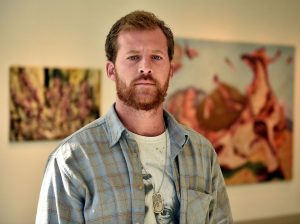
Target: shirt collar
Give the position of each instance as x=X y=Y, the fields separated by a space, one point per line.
x=177 y=133
x=115 y=128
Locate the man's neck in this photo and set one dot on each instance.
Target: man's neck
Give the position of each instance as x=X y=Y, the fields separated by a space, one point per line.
x=141 y=122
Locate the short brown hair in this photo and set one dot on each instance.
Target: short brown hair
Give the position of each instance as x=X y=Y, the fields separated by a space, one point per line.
x=137 y=20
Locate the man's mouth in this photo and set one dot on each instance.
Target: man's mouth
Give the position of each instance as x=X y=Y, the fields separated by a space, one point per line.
x=144 y=84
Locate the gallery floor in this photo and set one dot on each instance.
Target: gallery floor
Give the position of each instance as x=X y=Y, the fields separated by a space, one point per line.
x=293 y=219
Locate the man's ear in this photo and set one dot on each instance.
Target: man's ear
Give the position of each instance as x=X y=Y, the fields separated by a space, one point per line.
x=110 y=70
x=171 y=74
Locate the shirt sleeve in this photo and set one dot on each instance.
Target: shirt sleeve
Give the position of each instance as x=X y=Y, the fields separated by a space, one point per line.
x=220 y=211
x=60 y=198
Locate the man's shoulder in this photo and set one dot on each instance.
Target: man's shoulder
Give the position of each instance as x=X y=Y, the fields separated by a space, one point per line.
x=199 y=142
x=195 y=136
x=94 y=138
x=192 y=136
x=83 y=140
x=89 y=132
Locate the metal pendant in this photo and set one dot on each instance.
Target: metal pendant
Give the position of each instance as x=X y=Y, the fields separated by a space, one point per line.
x=158 y=205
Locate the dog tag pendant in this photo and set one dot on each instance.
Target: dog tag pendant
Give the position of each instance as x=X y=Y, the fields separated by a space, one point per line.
x=158 y=205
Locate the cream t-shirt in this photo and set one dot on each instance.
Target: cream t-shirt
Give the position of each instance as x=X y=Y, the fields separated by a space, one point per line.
x=154 y=153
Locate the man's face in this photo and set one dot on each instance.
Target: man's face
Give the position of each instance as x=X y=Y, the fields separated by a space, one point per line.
x=142 y=69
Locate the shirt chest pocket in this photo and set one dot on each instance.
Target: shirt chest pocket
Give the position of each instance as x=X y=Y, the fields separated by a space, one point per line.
x=197 y=207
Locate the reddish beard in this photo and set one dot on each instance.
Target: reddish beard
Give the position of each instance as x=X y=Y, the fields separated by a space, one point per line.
x=147 y=98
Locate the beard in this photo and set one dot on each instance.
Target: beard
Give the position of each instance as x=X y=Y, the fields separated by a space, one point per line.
x=139 y=98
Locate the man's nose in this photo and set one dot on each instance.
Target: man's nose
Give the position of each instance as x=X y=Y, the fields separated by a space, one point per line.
x=145 y=66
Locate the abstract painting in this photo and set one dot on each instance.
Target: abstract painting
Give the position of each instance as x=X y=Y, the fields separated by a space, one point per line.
x=240 y=96
x=51 y=103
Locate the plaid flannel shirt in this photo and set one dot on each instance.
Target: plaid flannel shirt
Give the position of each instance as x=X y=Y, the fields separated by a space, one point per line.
x=95 y=176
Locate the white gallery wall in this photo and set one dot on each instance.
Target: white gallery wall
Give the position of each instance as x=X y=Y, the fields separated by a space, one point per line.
x=72 y=33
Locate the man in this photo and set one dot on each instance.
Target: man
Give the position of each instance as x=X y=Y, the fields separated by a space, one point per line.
x=136 y=164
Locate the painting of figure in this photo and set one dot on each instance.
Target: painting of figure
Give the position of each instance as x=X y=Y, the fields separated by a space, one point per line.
x=240 y=96
x=51 y=103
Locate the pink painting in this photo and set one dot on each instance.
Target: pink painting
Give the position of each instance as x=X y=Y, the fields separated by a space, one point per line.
x=240 y=96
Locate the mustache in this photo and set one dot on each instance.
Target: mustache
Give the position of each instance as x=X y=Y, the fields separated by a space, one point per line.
x=145 y=77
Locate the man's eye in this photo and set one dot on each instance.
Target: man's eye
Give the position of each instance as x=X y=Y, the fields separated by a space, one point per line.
x=133 y=58
x=156 y=57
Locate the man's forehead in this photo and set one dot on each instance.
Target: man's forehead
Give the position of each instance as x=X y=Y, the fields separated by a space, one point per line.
x=135 y=36
x=133 y=32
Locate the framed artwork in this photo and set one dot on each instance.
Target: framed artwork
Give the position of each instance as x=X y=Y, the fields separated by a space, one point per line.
x=239 y=96
x=51 y=103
